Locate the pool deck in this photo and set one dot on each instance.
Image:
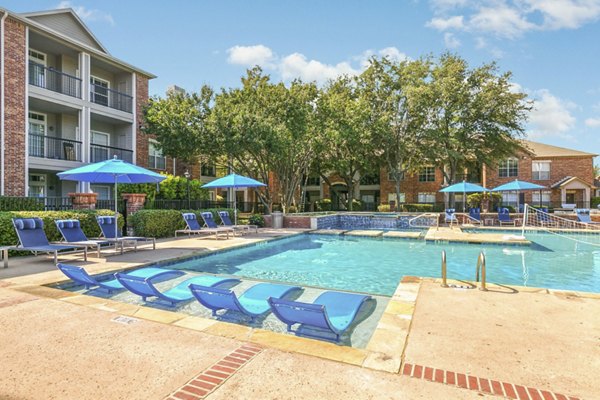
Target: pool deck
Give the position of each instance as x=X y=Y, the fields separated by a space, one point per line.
x=451 y=343
x=456 y=234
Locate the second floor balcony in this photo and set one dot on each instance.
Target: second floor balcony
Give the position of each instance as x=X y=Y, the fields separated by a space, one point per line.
x=101 y=153
x=54 y=80
x=55 y=148
x=101 y=94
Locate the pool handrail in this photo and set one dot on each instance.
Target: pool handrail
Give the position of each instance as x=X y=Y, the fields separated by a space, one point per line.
x=425 y=215
x=481 y=266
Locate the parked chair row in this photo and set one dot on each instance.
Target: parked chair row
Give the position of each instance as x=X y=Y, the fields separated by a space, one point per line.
x=193 y=227
x=31 y=235
x=332 y=313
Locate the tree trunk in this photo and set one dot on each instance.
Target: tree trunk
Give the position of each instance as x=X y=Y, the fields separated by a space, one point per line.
x=397 y=184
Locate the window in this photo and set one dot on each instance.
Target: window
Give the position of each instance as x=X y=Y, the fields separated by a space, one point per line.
x=208 y=170
x=544 y=200
x=37 y=185
x=540 y=170
x=370 y=179
x=426 y=198
x=102 y=191
x=37 y=133
x=99 y=147
x=391 y=177
x=156 y=160
x=510 y=198
x=392 y=197
x=508 y=168
x=99 y=90
x=427 y=174
x=313 y=181
x=37 y=70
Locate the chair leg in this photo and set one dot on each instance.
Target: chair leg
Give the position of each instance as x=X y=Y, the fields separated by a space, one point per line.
x=85 y=253
x=55 y=257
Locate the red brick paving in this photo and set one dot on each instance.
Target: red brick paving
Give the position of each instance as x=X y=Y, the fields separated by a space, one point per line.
x=504 y=389
x=200 y=386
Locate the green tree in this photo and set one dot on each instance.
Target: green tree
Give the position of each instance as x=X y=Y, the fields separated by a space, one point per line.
x=179 y=123
x=344 y=145
x=473 y=116
x=397 y=117
x=266 y=128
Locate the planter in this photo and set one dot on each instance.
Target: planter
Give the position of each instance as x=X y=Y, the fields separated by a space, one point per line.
x=83 y=201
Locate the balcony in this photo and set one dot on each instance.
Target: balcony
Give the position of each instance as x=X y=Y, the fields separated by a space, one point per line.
x=101 y=153
x=111 y=98
x=56 y=81
x=54 y=148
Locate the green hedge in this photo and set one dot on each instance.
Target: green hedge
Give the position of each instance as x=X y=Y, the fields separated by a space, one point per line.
x=90 y=227
x=164 y=223
x=417 y=207
x=595 y=202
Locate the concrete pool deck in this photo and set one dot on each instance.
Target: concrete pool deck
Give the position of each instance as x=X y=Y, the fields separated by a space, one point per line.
x=65 y=346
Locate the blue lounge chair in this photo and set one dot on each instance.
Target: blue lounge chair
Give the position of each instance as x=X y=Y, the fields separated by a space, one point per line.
x=451 y=216
x=227 y=223
x=475 y=215
x=252 y=303
x=32 y=237
x=107 y=226
x=583 y=215
x=193 y=227
x=144 y=287
x=71 y=231
x=332 y=312
x=504 y=217
x=209 y=222
x=80 y=275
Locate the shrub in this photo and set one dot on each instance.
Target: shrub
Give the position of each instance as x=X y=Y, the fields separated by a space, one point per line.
x=172 y=188
x=595 y=202
x=164 y=223
x=87 y=218
x=383 y=208
x=475 y=199
x=292 y=210
x=323 y=205
x=256 y=219
x=417 y=207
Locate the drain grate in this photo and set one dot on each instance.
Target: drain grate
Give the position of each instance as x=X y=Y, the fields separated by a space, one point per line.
x=122 y=319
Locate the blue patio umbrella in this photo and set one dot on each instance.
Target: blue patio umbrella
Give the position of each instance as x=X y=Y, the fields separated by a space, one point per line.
x=464 y=188
x=518 y=186
x=113 y=171
x=233 y=181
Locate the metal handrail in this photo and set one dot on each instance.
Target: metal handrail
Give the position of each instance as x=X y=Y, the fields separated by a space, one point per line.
x=424 y=215
x=100 y=152
x=444 y=271
x=53 y=79
x=469 y=218
x=481 y=265
x=111 y=98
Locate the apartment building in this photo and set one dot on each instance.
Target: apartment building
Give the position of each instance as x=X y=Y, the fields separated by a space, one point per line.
x=65 y=101
x=567 y=174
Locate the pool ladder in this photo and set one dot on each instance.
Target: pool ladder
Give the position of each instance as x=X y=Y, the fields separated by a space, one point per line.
x=480 y=267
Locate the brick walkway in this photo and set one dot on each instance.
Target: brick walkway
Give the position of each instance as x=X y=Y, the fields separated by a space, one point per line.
x=213 y=377
x=484 y=385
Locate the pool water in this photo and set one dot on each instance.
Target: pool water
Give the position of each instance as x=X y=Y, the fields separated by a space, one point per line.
x=376 y=265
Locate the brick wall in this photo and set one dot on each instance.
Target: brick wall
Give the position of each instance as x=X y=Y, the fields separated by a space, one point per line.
x=410 y=186
x=14 y=103
x=142 y=139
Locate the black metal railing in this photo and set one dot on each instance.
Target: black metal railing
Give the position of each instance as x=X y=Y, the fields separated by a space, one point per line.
x=111 y=98
x=100 y=152
x=51 y=79
x=17 y=203
x=54 y=147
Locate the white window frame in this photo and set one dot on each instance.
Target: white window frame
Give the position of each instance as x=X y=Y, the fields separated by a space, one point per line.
x=33 y=183
x=43 y=122
x=95 y=132
x=507 y=168
x=94 y=81
x=43 y=62
x=510 y=198
x=539 y=174
x=154 y=155
x=546 y=197
x=427 y=172
x=109 y=190
x=392 y=197
x=426 y=198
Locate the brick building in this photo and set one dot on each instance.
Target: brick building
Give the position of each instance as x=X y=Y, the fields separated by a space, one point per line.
x=567 y=174
x=65 y=102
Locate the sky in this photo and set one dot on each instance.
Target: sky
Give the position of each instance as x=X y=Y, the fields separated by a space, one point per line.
x=552 y=47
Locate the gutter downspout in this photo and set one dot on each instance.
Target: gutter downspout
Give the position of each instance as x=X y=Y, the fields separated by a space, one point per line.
x=2 y=111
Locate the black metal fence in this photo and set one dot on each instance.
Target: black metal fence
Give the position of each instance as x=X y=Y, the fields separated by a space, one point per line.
x=101 y=153
x=51 y=79
x=111 y=98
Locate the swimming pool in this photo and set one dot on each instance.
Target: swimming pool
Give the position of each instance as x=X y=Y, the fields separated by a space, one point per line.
x=376 y=265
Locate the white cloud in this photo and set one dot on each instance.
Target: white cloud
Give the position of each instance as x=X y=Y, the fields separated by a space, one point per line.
x=442 y=24
x=512 y=18
x=451 y=41
x=297 y=65
x=251 y=55
x=551 y=116
x=593 y=122
x=86 y=14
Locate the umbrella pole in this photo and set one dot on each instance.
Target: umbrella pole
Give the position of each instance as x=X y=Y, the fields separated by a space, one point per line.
x=234 y=207
x=116 y=213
